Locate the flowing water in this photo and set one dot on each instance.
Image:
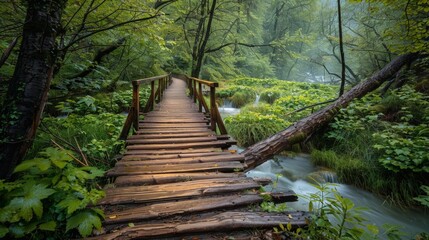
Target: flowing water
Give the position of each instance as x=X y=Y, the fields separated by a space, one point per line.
x=297 y=173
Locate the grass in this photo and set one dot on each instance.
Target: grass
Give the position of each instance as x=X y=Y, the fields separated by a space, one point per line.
x=397 y=188
x=95 y=135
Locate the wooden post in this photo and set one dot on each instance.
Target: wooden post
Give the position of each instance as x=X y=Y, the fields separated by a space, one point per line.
x=194 y=86
x=213 y=114
x=200 y=104
x=159 y=91
x=152 y=95
x=136 y=105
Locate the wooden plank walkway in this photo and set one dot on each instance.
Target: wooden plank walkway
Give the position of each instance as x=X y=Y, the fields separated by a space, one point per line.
x=178 y=180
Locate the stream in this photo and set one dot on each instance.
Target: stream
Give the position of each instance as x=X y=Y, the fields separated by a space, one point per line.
x=297 y=172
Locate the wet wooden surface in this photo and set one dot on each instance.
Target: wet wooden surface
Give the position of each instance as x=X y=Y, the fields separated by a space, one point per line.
x=178 y=180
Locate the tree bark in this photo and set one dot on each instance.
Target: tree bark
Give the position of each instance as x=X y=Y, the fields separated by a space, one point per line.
x=29 y=85
x=199 y=51
x=264 y=150
x=343 y=63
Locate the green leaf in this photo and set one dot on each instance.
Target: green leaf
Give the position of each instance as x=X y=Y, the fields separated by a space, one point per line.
x=62 y=155
x=373 y=229
x=48 y=226
x=84 y=221
x=40 y=191
x=72 y=204
x=3 y=230
x=41 y=163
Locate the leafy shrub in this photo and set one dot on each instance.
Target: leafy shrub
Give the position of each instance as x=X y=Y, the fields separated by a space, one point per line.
x=336 y=217
x=424 y=199
x=270 y=95
x=240 y=99
x=84 y=105
x=97 y=136
x=50 y=198
x=249 y=128
x=116 y=102
x=404 y=147
x=229 y=91
x=264 y=109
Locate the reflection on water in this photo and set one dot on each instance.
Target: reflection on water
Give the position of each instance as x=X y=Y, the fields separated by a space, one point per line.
x=297 y=173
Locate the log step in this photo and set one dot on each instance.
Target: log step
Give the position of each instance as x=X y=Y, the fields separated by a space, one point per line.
x=173 y=125
x=174 y=135
x=226 y=221
x=176 y=168
x=149 y=179
x=160 y=152
x=167 y=209
x=207 y=159
x=171 y=140
x=138 y=157
x=176 y=191
x=221 y=144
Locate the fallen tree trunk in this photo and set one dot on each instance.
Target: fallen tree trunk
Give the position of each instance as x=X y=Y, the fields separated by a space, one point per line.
x=264 y=150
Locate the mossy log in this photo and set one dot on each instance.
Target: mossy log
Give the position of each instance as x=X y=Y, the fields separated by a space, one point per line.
x=265 y=149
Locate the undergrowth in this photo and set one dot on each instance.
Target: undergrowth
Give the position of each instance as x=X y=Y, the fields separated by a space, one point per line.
x=49 y=199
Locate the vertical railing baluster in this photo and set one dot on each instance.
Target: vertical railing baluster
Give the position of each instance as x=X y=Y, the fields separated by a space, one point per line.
x=152 y=95
x=159 y=91
x=200 y=91
x=136 y=104
x=213 y=115
x=194 y=87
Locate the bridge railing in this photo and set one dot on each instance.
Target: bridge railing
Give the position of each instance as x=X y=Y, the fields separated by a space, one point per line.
x=158 y=85
x=195 y=86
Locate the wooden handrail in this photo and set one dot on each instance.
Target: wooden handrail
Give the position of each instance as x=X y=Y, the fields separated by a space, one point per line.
x=155 y=97
x=195 y=86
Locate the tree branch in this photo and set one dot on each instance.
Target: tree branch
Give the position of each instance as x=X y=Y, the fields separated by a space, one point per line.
x=241 y=44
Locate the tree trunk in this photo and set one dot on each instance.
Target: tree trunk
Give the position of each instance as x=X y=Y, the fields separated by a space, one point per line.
x=200 y=50
x=264 y=150
x=28 y=88
x=343 y=63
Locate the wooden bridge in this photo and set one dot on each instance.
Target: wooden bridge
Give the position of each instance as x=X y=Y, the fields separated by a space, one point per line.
x=177 y=178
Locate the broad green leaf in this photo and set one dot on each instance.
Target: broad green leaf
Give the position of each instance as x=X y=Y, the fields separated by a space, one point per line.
x=60 y=155
x=40 y=191
x=72 y=204
x=48 y=226
x=41 y=163
x=84 y=221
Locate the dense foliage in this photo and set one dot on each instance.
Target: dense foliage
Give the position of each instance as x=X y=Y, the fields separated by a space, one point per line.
x=278 y=100
x=49 y=199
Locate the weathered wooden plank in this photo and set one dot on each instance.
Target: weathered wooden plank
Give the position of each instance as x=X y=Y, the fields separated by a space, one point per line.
x=139 y=157
x=226 y=221
x=180 y=190
x=172 y=140
x=173 y=120
x=172 y=125
x=174 y=135
x=171 y=151
x=176 y=168
x=221 y=144
x=206 y=159
x=180 y=207
x=171 y=130
x=163 y=178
